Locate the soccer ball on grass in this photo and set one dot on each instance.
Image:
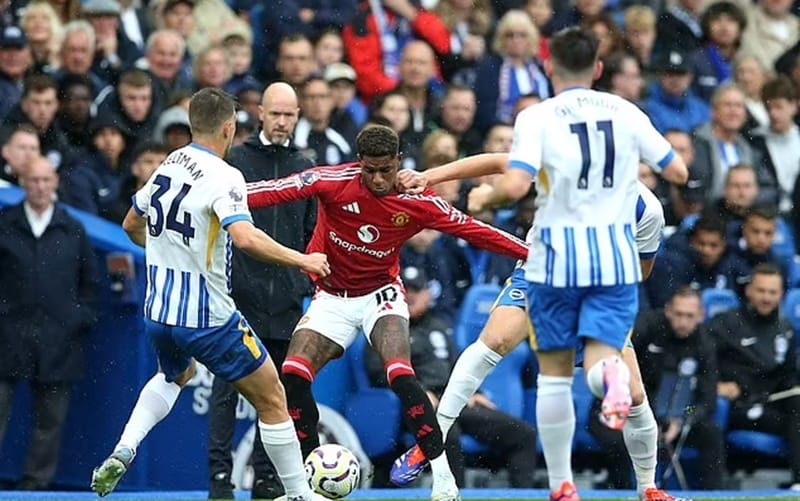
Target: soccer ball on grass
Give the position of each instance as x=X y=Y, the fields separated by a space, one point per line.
x=333 y=471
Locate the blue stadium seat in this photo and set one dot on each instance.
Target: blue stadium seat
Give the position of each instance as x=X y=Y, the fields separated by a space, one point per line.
x=718 y=300
x=474 y=313
x=791 y=310
x=374 y=412
x=765 y=444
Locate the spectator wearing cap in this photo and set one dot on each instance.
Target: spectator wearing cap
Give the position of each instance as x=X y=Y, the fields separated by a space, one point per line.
x=314 y=135
x=723 y=24
x=375 y=41
x=43 y=28
x=721 y=144
x=78 y=53
x=679 y=29
x=350 y=113
x=113 y=50
x=134 y=102
x=15 y=60
x=173 y=129
x=671 y=104
x=240 y=54
x=771 y=30
x=433 y=355
x=95 y=183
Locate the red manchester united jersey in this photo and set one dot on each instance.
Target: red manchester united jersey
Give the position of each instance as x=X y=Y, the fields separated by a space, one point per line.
x=362 y=234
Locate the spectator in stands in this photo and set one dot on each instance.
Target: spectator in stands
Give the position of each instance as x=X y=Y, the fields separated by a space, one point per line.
x=779 y=142
x=213 y=21
x=524 y=102
x=512 y=442
x=164 y=55
x=499 y=139
x=439 y=148
x=678 y=29
x=15 y=60
x=144 y=161
x=113 y=50
x=417 y=72
x=329 y=49
x=249 y=99
x=394 y=108
x=703 y=261
x=48 y=273
x=680 y=202
x=374 y=42
x=424 y=251
x=178 y=15
x=172 y=128
x=39 y=107
x=74 y=110
x=43 y=29
x=771 y=30
x=314 y=136
x=240 y=55
x=211 y=68
x=671 y=104
x=295 y=61
x=720 y=144
x=756 y=349
x=510 y=72
x=607 y=32
x=136 y=23
x=640 y=33
x=97 y=180
x=77 y=54
x=350 y=113
x=750 y=77
x=271 y=295
x=758 y=237
x=723 y=24
x=458 y=118
x=577 y=12
x=68 y=10
x=134 y=103
x=18 y=152
x=622 y=76
x=469 y=23
x=246 y=124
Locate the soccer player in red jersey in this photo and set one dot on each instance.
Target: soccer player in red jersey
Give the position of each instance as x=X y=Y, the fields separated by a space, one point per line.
x=362 y=223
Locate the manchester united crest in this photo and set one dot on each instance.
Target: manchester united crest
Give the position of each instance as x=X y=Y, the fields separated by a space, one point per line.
x=401 y=219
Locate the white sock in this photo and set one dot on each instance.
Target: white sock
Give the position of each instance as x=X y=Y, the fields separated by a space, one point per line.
x=155 y=401
x=641 y=440
x=596 y=381
x=443 y=479
x=555 y=420
x=472 y=367
x=283 y=448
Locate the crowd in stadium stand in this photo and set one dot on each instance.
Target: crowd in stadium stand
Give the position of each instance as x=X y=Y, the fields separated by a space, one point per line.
x=100 y=89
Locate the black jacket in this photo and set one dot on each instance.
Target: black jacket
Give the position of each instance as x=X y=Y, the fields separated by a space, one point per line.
x=46 y=298
x=755 y=352
x=261 y=289
x=661 y=351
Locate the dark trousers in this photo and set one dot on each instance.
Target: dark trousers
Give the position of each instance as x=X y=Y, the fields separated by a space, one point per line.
x=512 y=444
x=50 y=406
x=779 y=418
x=224 y=397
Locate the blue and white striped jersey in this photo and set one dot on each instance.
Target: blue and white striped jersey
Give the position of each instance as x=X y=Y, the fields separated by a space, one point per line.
x=189 y=202
x=584 y=148
x=649 y=223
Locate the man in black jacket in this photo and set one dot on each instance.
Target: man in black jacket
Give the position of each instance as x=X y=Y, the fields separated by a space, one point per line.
x=271 y=297
x=47 y=268
x=756 y=349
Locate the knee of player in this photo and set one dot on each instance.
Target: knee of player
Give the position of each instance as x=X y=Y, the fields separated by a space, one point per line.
x=638 y=396
x=498 y=342
x=187 y=375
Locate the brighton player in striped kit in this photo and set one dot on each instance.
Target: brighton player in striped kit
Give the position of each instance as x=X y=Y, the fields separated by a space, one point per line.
x=509 y=325
x=187 y=216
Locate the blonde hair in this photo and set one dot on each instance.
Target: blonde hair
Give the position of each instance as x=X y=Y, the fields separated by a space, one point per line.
x=640 y=17
x=429 y=156
x=56 y=28
x=511 y=19
x=479 y=21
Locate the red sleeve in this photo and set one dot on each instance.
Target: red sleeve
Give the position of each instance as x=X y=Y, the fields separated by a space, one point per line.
x=446 y=218
x=366 y=57
x=431 y=29
x=300 y=186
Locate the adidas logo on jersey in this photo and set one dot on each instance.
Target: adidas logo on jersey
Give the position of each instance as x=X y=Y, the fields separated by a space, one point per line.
x=353 y=207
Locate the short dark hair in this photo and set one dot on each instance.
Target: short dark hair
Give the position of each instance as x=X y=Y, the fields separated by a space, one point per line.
x=574 y=49
x=719 y=9
x=711 y=222
x=686 y=291
x=24 y=128
x=209 y=109
x=763 y=211
x=379 y=120
x=768 y=269
x=780 y=87
x=151 y=147
x=312 y=79
x=613 y=65
x=135 y=78
x=377 y=141
x=39 y=82
x=70 y=81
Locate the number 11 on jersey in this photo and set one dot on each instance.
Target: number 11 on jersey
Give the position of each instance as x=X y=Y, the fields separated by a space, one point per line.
x=605 y=127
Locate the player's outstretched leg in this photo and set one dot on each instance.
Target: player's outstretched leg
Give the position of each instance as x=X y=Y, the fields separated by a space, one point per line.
x=154 y=404
x=308 y=353
x=609 y=378
x=641 y=435
x=506 y=328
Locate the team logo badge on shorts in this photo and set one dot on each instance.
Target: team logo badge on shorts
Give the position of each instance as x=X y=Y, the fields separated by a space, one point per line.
x=516 y=294
x=400 y=219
